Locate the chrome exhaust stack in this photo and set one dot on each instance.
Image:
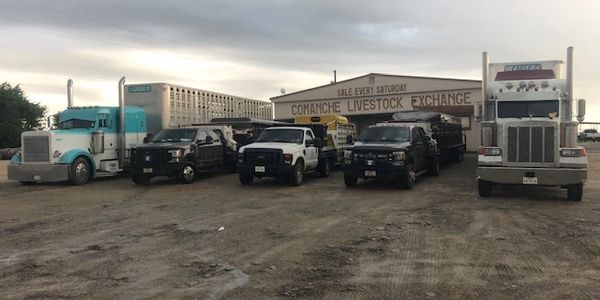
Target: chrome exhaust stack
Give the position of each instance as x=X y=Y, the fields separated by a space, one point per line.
x=69 y=93
x=121 y=135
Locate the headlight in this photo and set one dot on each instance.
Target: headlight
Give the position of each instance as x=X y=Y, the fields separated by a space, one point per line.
x=573 y=152
x=490 y=151
x=175 y=153
x=287 y=158
x=347 y=154
x=399 y=155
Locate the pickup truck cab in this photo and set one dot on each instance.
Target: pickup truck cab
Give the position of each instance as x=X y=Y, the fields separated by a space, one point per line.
x=183 y=153
x=392 y=151
x=590 y=135
x=289 y=152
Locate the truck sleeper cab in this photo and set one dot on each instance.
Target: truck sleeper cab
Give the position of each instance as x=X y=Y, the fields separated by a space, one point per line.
x=394 y=151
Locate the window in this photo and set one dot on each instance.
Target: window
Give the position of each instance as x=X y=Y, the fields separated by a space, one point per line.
x=309 y=136
x=201 y=135
x=214 y=135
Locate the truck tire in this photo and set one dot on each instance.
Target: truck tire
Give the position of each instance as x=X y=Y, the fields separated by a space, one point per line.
x=297 y=174
x=80 y=171
x=350 y=180
x=575 y=192
x=484 y=188
x=407 y=181
x=325 y=168
x=187 y=174
x=434 y=166
x=140 y=179
x=246 y=178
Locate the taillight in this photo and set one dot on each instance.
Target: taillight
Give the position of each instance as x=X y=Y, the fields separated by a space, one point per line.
x=490 y=151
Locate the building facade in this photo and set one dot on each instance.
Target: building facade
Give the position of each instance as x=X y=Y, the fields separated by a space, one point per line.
x=373 y=98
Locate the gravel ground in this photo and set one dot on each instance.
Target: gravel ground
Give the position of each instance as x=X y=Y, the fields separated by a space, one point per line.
x=112 y=239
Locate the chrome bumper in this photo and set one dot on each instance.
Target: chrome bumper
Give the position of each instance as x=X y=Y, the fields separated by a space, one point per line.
x=38 y=173
x=545 y=176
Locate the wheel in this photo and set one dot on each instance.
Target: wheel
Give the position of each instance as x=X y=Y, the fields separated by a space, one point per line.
x=297 y=174
x=575 y=192
x=246 y=179
x=140 y=179
x=484 y=188
x=325 y=168
x=187 y=174
x=80 y=171
x=408 y=179
x=350 y=180
x=434 y=166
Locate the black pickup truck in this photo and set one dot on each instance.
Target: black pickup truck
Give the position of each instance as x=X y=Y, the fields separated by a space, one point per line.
x=393 y=151
x=182 y=153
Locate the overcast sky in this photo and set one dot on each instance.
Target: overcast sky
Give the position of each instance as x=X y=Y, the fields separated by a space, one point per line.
x=255 y=48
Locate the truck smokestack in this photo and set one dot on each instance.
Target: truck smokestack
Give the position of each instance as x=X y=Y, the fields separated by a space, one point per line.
x=69 y=93
x=121 y=135
x=569 y=78
x=484 y=78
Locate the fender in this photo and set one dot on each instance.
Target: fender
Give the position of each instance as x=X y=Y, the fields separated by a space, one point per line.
x=69 y=156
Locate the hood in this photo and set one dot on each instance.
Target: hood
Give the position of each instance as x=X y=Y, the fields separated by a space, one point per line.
x=286 y=147
x=379 y=146
x=166 y=145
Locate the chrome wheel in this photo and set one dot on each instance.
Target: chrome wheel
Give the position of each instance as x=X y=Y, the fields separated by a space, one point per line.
x=188 y=173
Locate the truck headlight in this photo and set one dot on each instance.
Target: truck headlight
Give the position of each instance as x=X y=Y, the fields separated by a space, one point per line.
x=399 y=155
x=490 y=151
x=287 y=158
x=348 y=154
x=573 y=152
x=175 y=153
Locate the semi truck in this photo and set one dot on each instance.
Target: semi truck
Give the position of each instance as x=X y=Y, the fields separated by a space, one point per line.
x=528 y=134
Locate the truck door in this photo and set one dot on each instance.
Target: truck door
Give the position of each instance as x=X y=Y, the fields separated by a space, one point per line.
x=216 y=148
x=420 y=149
x=312 y=154
x=203 y=156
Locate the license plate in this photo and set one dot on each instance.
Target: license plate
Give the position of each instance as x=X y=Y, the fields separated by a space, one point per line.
x=369 y=162
x=259 y=169
x=370 y=173
x=37 y=177
x=530 y=180
x=147 y=170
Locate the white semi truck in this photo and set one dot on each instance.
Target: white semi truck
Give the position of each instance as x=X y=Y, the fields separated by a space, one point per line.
x=528 y=134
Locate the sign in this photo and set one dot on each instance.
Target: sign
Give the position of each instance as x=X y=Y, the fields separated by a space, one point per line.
x=442 y=99
x=371 y=90
x=523 y=67
x=144 y=88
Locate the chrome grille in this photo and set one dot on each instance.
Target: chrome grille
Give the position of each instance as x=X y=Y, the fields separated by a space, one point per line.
x=531 y=144
x=36 y=149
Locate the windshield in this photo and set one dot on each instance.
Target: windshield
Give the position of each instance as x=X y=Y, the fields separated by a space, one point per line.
x=385 y=134
x=76 y=123
x=175 y=135
x=282 y=136
x=528 y=109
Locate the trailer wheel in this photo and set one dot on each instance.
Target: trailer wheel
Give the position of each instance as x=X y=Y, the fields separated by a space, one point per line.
x=187 y=174
x=350 y=180
x=80 y=171
x=246 y=178
x=575 y=192
x=140 y=179
x=325 y=168
x=484 y=188
x=408 y=179
x=297 y=174
x=434 y=166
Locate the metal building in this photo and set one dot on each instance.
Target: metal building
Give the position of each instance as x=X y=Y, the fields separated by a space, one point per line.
x=374 y=97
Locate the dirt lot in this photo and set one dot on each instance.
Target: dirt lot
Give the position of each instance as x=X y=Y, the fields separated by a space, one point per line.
x=112 y=239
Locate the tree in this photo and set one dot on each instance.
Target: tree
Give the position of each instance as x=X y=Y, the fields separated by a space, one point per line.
x=17 y=114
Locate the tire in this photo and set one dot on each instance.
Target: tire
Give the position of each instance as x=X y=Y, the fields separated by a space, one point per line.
x=297 y=174
x=187 y=174
x=141 y=179
x=80 y=172
x=434 y=166
x=350 y=180
x=484 y=188
x=575 y=192
x=408 y=179
x=246 y=179
x=325 y=168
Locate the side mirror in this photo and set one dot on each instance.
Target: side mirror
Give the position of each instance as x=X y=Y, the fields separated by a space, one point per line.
x=310 y=143
x=349 y=139
x=209 y=139
x=580 y=110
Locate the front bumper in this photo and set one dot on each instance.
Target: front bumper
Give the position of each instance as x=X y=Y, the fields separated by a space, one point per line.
x=545 y=176
x=169 y=169
x=38 y=173
x=380 y=171
x=270 y=171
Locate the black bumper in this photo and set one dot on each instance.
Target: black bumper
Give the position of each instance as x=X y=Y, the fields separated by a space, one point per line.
x=169 y=170
x=380 y=171
x=270 y=171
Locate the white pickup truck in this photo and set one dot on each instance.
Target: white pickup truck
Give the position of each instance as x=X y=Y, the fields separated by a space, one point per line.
x=590 y=135
x=286 y=152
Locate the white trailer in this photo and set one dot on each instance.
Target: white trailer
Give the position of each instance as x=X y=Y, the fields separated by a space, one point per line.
x=169 y=105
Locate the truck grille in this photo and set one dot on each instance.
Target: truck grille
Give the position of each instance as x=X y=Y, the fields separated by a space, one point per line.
x=377 y=158
x=263 y=157
x=36 y=149
x=531 y=144
x=143 y=157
